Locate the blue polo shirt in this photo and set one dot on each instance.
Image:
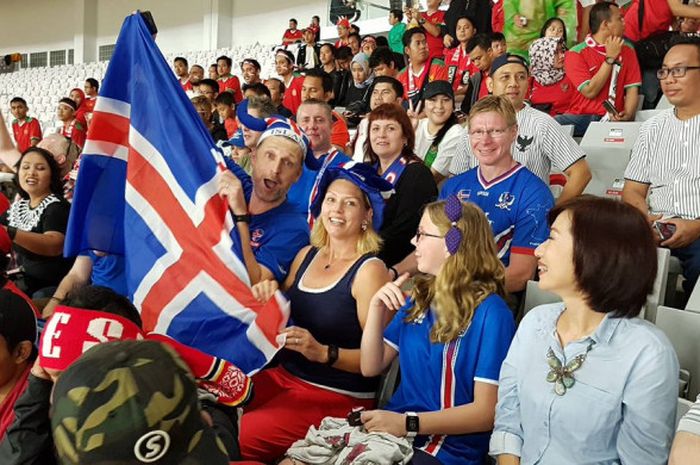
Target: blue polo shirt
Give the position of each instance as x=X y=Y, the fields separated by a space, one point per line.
x=437 y=376
x=108 y=271
x=516 y=204
x=276 y=235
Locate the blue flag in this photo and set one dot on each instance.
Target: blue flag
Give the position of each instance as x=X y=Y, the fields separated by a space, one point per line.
x=146 y=189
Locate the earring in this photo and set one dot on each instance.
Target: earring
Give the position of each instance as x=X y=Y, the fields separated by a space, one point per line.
x=364 y=226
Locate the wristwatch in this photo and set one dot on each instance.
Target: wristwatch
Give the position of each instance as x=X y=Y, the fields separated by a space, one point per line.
x=332 y=354
x=412 y=424
x=242 y=218
x=610 y=60
x=421 y=21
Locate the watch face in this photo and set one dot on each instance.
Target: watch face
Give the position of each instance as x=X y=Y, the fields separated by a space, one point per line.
x=412 y=423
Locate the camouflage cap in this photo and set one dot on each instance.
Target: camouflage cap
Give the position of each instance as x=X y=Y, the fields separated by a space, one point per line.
x=131 y=402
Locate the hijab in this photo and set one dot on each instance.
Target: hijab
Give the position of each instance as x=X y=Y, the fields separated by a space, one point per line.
x=542 y=55
x=363 y=61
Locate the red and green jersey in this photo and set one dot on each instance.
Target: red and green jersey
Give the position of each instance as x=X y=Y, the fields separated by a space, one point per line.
x=26 y=132
x=583 y=61
x=232 y=84
x=435 y=44
x=412 y=83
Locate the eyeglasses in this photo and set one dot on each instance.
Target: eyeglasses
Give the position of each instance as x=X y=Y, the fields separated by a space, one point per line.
x=676 y=72
x=420 y=234
x=481 y=133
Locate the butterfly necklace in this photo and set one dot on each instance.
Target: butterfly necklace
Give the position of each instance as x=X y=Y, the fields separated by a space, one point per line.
x=563 y=375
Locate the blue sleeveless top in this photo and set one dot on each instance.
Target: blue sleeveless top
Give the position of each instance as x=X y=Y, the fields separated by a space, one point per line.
x=330 y=315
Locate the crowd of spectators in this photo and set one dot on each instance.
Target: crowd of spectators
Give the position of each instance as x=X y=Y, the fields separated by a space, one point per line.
x=397 y=191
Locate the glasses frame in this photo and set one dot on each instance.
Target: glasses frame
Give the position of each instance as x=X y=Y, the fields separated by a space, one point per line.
x=419 y=234
x=682 y=70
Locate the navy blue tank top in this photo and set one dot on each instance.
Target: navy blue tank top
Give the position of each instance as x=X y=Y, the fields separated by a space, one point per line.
x=330 y=315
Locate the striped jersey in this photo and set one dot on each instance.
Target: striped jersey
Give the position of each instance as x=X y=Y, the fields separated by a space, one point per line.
x=437 y=376
x=665 y=156
x=541 y=144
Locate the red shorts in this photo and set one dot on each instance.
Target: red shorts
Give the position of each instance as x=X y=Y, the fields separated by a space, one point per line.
x=283 y=409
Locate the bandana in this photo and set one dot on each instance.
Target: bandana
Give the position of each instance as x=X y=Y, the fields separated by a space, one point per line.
x=286 y=54
x=343 y=21
x=71 y=331
x=278 y=126
x=542 y=56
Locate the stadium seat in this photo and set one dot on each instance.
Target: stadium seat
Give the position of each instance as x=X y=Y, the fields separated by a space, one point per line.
x=683 y=330
x=682 y=408
x=568 y=129
x=693 y=303
x=663 y=103
x=388 y=383
x=645 y=115
x=534 y=297
x=658 y=293
x=608 y=147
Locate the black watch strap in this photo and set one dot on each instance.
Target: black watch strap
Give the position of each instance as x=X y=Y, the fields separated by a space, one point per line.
x=242 y=218
x=332 y=354
x=412 y=424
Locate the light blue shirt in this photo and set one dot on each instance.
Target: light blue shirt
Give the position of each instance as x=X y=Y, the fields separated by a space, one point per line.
x=621 y=409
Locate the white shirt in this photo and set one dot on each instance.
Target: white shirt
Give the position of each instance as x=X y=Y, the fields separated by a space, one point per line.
x=665 y=156
x=358 y=154
x=446 y=149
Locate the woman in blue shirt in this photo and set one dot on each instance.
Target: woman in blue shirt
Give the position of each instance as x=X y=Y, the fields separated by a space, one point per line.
x=451 y=337
x=585 y=381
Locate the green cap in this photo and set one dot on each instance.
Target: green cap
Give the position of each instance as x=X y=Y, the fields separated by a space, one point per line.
x=131 y=402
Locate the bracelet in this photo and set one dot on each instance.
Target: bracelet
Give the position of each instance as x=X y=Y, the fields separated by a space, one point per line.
x=394 y=272
x=57 y=299
x=241 y=218
x=12 y=232
x=332 y=354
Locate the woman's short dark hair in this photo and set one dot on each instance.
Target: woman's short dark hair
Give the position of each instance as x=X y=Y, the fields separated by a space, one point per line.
x=392 y=111
x=615 y=260
x=549 y=23
x=103 y=299
x=331 y=49
x=56 y=185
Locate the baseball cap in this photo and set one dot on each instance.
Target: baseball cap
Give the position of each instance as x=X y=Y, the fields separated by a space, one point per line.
x=376 y=188
x=17 y=319
x=507 y=59
x=434 y=88
x=131 y=402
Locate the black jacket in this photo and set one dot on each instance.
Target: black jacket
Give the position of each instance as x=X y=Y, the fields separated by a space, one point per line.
x=301 y=56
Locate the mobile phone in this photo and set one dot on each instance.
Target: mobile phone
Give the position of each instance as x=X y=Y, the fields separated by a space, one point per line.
x=664 y=230
x=523 y=21
x=150 y=22
x=610 y=108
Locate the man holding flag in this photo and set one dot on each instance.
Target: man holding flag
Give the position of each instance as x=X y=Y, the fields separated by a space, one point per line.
x=153 y=188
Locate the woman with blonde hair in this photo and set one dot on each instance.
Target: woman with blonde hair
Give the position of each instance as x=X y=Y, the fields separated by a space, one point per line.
x=451 y=337
x=330 y=285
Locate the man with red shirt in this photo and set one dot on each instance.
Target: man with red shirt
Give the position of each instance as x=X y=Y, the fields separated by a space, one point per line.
x=284 y=66
x=26 y=129
x=318 y=85
x=292 y=34
x=71 y=128
x=91 y=87
x=658 y=17
x=602 y=67
x=227 y=81
x=421 y=69
x=433 y=21
x=481 y=56
x=17 y=352
x=181 y=68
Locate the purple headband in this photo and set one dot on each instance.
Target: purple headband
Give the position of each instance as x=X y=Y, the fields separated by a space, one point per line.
x=453 y=210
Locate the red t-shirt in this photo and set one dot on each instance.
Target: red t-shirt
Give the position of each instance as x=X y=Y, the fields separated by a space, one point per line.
x=497 y=16
x=412 y=85
x=581 y=64
x=435 y=44
x=25 y=132
x=290 y=37
x=657 y=18
x=231 y=126
x=292 y=96
x=75 y=131
x=558 y=94
x=187 y=85
x=459 y=66
x=7 y=412
x=483 y=89
x=231 y=83
x=89 y=104
x=340 y=135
